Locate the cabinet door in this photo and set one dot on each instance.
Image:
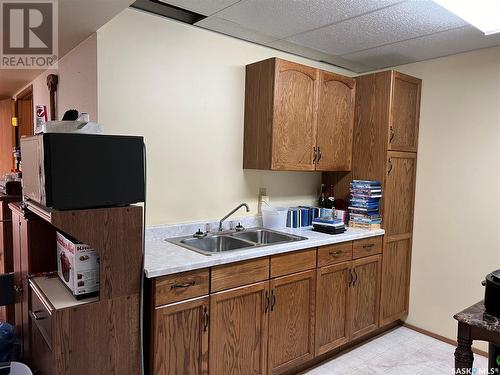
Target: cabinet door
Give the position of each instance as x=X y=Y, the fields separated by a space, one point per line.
x=180 y=342
x=294 y=121
x=18 y=277
x=399 y=193
x=41 y=359
x=332 y=291
x=335 y=122
x=405 y=109
x=396 y=262
x=291 y=321
x=365 y=296
x=238 y=330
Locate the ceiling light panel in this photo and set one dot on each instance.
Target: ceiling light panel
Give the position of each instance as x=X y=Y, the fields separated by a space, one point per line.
x=392 y=24
x=482 y=14
x=282 y=18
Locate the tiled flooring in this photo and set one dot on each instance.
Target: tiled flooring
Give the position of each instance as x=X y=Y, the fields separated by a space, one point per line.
x=400 y=352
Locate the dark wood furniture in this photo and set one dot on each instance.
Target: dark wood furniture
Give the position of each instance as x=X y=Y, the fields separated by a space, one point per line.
x=7 y=313
x=474 y=323
x=297 y=118
x=98 y=336
x=33 y=252
x=270 y=315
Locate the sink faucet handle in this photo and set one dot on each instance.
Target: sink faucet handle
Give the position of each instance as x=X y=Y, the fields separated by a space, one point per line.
x=239 y=227
x=208 y=227
x=199 y=234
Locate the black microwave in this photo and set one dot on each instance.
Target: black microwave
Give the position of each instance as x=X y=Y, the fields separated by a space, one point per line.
x=76 y=171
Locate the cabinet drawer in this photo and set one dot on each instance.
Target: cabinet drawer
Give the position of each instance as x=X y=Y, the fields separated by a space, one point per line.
x=40 y=315
x=367 y=247
x=238 y=274
x=41 y=354
x=181 y=286
x=333 y=254
x=285 y=264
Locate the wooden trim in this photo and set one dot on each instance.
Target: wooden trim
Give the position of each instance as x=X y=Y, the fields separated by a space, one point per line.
x=401 y=154
x=441 y=338
x=398 y=237
x=26 y=93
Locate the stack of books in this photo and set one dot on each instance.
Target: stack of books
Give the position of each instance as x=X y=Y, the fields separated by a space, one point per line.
x=329 y=225
x=364 y=204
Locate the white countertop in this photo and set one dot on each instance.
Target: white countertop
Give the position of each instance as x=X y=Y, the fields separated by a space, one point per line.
x=164 y=258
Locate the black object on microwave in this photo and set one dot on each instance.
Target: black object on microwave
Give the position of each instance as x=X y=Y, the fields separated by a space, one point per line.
x=76 y=171
x=492 y=293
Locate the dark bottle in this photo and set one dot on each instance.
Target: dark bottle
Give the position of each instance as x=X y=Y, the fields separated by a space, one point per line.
x=322 y=197
x=331 y=198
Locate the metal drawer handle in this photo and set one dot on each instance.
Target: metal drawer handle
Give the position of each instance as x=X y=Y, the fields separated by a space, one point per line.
x=273 y=300
x=351 y=279
x=335 y=253
x=355 y=277
x=393 y=133
x=390 y=167
x=35 y=315
x=368 y=246
x=314 y=155
x=205 y=319
x=319 y=154
x=266 y=302
x=182 y=285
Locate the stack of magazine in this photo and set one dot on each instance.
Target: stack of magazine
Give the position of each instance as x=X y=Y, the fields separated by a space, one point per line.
x=364 y=204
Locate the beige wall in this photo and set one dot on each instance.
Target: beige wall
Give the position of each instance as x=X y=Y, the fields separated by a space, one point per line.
x=457 y=222
x=183 y=89
x=77 y=88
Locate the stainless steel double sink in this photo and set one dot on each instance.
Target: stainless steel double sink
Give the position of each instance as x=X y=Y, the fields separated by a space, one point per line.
x=233 y=240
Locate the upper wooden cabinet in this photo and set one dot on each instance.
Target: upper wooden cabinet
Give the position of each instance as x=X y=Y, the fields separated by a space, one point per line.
x=405 y=110
x=297 y=118
x=335 y=122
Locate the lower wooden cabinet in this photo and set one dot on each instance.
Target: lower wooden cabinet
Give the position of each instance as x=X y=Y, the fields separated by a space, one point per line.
x=41 y=359
x=291 y=321
x=347 y=304
x=275 y=326
x=238 y=330
x=395 y=280
x=180 y=342
x=332 y=306
x=365 y=298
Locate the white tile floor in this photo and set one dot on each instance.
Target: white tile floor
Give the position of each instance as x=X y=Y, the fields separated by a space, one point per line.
x=399 y=352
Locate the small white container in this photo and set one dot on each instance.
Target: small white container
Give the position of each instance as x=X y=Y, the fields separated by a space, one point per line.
x=274 y=218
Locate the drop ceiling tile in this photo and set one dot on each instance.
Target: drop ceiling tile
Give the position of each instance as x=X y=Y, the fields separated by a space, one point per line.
x=296 y=49
x=392 y=24
x=233 y=29
x=432 y=46
x=205 y=7
x=282 y=18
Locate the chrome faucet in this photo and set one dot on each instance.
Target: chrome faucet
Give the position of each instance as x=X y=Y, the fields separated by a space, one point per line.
x=232 y=212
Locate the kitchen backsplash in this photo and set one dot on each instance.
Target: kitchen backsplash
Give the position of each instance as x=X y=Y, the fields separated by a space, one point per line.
x=185 y=229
